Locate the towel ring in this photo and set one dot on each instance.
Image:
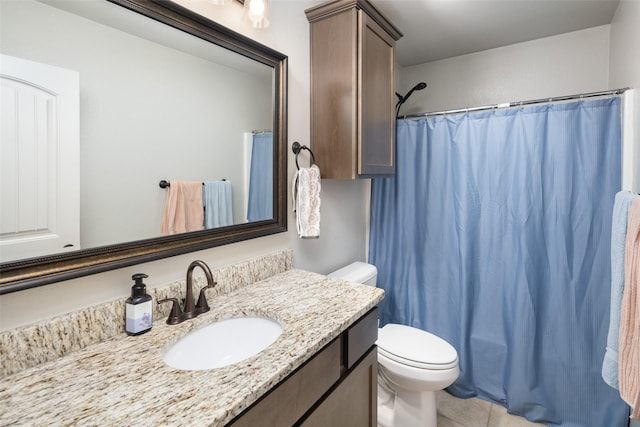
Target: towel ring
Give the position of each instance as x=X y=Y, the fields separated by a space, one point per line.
x=297 y=148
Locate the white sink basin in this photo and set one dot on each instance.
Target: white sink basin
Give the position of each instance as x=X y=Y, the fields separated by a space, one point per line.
x=222 y=343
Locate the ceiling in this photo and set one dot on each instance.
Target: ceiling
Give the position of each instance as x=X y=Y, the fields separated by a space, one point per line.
x=439 y=29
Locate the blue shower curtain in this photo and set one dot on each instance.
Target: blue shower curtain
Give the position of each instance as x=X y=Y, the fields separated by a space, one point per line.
x=260 y=205
x=495 y=235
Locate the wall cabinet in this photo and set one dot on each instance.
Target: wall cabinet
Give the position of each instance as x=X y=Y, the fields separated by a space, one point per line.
x=352 y=89
x=337 y=386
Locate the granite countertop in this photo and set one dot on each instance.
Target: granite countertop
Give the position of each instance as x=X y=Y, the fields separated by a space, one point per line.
x=124 y=381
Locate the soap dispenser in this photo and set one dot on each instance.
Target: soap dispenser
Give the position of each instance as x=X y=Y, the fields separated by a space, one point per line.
x=139 y=310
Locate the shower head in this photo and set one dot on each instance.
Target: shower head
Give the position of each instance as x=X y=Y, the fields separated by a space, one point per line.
x=403 y=99
x=419 y=86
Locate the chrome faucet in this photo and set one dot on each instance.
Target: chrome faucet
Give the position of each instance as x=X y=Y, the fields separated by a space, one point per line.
x=191 y=308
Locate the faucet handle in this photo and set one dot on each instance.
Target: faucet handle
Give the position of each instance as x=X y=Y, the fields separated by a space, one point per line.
x=202 y=306
x=176 y=315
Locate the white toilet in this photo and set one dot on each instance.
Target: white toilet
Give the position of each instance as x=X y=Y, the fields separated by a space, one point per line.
x=412 y=365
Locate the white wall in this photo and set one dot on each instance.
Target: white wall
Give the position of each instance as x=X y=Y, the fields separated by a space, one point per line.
x=624 y=65
x=343 y=202
x=567 y=64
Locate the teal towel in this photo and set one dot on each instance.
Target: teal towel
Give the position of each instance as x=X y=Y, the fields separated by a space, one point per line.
x=218 y=204
x=619 y=222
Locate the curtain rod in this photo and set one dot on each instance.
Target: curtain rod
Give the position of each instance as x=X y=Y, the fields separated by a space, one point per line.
x=515 y=104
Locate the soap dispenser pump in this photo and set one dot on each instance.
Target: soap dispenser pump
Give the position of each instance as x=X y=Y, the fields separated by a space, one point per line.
x=139 y=310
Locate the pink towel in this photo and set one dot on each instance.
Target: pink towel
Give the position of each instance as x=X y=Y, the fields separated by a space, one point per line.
x=183 y=208
x=629 y=345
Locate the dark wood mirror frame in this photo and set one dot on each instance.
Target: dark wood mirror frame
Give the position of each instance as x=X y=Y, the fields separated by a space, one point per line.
x=33 y=272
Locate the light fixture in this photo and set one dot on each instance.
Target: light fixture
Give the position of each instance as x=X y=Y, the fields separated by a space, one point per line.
x=256 y=12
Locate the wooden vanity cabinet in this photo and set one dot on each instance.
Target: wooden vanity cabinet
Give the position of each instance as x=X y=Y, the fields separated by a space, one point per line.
x=352 y=89
x=336 y=387
x=349 y=404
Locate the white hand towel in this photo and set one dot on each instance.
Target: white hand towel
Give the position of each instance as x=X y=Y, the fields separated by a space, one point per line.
x=306 y=202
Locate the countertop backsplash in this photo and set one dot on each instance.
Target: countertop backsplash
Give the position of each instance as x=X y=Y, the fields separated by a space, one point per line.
x=44 y=341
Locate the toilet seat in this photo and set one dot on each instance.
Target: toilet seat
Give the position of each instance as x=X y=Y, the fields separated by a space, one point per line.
x=415 y=347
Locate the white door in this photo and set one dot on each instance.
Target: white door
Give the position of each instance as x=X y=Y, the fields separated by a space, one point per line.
x=39 y=159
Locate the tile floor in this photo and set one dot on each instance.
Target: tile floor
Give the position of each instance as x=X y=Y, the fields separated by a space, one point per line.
x=454 y=412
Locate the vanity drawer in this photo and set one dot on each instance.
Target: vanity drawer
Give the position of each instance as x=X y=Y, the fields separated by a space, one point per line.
x=359 y=338
x=289 y=400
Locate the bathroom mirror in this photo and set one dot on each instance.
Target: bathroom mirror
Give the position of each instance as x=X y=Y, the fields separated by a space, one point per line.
x=164 y=94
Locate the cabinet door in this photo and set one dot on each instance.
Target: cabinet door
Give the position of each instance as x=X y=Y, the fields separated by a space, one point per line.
x=353 y=403
x=289 y=401
x=376 y=139
x=334 y=94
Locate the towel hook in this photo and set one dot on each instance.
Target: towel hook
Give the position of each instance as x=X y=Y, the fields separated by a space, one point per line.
x=296 y=147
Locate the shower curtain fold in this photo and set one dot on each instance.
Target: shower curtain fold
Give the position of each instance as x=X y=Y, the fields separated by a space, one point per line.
x=495 y=235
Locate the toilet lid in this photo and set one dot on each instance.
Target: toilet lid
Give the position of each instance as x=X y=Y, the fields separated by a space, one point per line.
x=415 y=347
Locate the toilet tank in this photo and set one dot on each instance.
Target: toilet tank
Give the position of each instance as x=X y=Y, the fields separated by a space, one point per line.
x=359 y=272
